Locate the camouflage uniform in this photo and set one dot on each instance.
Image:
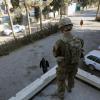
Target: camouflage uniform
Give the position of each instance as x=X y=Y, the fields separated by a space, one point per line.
x=65 y=69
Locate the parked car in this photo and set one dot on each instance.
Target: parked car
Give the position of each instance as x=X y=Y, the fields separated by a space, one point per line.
x=17 y=28
x=92 y=59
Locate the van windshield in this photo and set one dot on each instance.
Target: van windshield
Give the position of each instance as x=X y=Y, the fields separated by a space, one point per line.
x=94 y=58
x=91 y=57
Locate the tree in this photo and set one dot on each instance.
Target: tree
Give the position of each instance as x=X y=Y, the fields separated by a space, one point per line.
x=37 y=12
x=46 y=10
x=91 y=2
x=26 y=8
x=15 y=3
x=84 y=3
x=18 y=17
x=10 y=19
x=59 y=5
x=56 y=4
x=29 y=3
x=98 y=10
x=17 y=11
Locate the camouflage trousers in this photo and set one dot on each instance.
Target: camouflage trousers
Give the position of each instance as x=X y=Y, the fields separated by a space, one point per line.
x=65 y=73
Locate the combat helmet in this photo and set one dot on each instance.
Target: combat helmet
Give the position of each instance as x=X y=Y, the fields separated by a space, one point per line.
x=64 y=22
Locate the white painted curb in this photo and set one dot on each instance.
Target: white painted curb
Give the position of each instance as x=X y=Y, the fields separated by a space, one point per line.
x=89 y=78
x=41 y=82
x=36 y=86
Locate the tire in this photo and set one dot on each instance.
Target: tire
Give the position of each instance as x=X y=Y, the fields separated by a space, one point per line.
x=91 y=67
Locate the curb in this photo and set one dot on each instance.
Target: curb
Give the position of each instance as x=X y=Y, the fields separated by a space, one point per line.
x=36 y=86
x=88 y=78
x=33 y=88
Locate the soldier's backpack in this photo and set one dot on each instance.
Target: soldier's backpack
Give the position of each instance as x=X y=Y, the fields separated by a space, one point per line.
x=75 y=48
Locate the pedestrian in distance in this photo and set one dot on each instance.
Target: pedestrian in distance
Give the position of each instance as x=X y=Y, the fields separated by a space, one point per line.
x=67 y=51
x=44 y=64
x=81 y=22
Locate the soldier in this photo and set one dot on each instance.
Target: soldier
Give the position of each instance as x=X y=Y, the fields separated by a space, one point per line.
x=68 y=51
x=44 y=64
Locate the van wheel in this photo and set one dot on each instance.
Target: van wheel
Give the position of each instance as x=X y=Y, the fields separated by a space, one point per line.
x=91 y=67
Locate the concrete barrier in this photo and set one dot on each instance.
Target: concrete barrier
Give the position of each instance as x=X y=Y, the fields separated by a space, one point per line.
x=36 y=86
x=45 y=79
x=89 y=78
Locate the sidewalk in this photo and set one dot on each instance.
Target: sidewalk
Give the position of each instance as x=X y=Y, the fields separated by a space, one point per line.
x=40 y=83
x=88 y=23
x=81 y=91
x=21 y=67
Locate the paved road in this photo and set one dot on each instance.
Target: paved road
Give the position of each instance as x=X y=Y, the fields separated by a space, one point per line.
x=87 y=16
x=81 y=91
x=21 y=67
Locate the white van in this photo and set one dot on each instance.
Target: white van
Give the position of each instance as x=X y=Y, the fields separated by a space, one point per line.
x=92 y=59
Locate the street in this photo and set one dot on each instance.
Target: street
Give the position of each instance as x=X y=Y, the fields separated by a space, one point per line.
x=21 y=67
x=81 y=91
x=91 y=42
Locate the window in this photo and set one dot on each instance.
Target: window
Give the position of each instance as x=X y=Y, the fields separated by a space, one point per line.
x=91 y=57
x=98 y=60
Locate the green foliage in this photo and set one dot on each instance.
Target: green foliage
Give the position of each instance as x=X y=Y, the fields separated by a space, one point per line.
x=84 y=3
x=46 y=10
x=56 y=4
x=12 y=45
x=15 y=3
x=37 y=12
x=18 y=19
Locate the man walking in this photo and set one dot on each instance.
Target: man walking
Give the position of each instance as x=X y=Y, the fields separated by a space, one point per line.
x=44 y=64
x=68 y=51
